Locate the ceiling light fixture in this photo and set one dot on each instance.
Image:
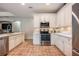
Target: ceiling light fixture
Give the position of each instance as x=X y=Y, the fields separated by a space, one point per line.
x=29 y=7
x=22 y=3
x=47 y=4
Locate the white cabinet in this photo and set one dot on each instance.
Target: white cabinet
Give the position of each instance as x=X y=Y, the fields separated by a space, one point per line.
x=68 y=47
x=52 y=20
x=44 y=17
x=36 y=39
x=52 y=39
x=11 y=42
x=15 y=40
x=36 y=21
x=60 y=18
x=59 y=42
x=64 y=44
x=68 y=15
x=64 y=16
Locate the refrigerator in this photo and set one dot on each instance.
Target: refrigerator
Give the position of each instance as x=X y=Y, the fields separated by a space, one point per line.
x=75 y=29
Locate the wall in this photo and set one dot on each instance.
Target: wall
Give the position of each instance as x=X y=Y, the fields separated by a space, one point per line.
x=26 y=25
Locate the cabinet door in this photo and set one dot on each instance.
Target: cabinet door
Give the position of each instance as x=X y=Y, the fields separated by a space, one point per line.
x=52 y=20
x=52 y=39
x=36 y=39
x=56 y=40
x=68 y=47
x=59 y=42
x=36 y=21
x=11 y=42
x=58 y=20
x=20 y=38
x=61 y=45
x=16 y=40
x=62 y=17
x=66 y=17
x=69 y=15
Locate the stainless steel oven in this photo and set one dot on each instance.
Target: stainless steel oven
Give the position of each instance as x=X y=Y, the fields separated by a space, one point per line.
x=44 y=33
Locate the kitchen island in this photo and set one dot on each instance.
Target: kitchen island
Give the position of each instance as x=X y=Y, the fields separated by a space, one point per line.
x=14 y=39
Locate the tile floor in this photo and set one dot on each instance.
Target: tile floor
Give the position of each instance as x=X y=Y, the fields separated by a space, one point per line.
x=28 y=49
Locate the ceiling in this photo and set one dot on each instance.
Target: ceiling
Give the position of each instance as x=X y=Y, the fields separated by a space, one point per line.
x=29 y=9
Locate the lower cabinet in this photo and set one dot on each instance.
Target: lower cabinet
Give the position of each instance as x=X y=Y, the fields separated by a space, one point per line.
x=11 y=42
x=15 y=40
x=64 y=44
x=52 y=39
x=68 y=47
x=36 y=39
x=59 y=42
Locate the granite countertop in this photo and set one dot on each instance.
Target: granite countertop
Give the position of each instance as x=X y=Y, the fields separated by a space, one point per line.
x=65 y=34
x=10 y=34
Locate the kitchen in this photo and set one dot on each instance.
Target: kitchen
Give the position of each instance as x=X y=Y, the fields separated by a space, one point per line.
x=46 y=25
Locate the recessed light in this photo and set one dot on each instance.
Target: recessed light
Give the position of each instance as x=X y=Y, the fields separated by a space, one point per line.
x=47 y=3
x=29 y=7
x=22 y=3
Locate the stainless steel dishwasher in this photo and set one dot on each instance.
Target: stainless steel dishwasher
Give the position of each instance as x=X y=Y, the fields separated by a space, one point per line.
x=4 y=46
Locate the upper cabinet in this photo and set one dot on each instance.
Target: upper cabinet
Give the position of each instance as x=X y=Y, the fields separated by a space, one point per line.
x=60 y=19
x=36 y=21
x=64 y=16
x=68 y=15
x=44 y=17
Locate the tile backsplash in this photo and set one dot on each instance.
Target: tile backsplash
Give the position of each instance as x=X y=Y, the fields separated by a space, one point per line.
x=62 y=29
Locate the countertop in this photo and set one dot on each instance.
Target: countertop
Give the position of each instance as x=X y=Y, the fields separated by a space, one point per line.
x=65 y=34
x=10 y=34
